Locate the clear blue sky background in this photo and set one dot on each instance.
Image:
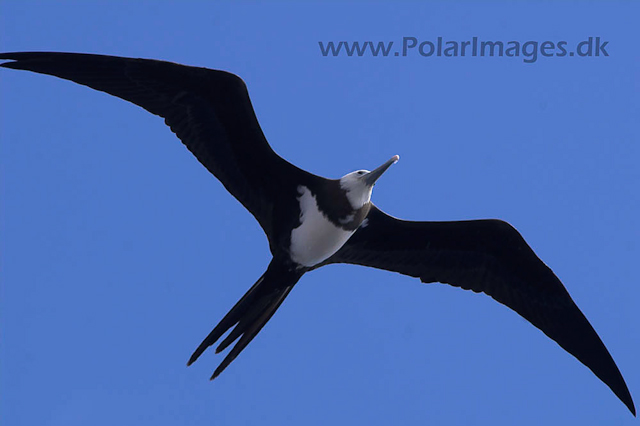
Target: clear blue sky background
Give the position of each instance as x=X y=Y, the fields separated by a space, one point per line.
x=120 y=252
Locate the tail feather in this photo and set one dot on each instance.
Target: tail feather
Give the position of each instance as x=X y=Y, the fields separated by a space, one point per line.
x=252 y=331
x=242 y=325
x=250 y=313
x=229 y=320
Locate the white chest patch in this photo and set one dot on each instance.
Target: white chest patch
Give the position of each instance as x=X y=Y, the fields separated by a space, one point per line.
x=316 y=239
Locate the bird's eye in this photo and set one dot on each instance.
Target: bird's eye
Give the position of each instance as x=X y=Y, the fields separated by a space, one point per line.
x=360 y=172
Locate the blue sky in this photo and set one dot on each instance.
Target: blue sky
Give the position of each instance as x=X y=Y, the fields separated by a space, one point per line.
x=120 y=252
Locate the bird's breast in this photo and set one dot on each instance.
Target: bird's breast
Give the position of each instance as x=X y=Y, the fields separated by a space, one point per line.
x=317 y=238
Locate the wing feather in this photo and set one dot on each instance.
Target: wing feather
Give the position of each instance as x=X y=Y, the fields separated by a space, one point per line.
x=209 y=110
x=491 y=257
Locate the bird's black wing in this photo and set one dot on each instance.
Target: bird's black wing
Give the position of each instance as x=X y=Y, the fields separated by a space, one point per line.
x=487 y=256
x=209 y=110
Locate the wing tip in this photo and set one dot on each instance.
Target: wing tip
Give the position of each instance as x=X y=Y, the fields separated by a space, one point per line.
x=628 y=401
x=10 y=56
x=22 y=56
x=14 y=64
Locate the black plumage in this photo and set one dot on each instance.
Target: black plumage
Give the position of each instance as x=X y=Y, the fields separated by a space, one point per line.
x=210 y=111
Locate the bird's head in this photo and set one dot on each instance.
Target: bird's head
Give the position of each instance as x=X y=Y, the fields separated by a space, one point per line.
x=359 y=184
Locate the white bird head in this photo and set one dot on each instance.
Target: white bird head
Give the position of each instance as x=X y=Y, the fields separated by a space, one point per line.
x=359 y=184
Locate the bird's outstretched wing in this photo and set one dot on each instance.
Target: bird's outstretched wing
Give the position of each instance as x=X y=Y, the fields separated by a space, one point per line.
x=209 y=110
x=487 y=256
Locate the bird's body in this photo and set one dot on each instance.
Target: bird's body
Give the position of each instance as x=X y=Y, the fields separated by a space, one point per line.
x=327 y=223
x=311 y=221
x=317 y=238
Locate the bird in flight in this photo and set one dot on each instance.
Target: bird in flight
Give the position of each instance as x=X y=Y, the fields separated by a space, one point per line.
x=311 y=221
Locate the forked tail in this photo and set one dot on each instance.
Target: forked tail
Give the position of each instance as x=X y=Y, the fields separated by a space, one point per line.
x=251 y=312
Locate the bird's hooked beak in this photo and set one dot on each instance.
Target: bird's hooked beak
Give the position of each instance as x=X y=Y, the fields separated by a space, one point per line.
x=371 y=177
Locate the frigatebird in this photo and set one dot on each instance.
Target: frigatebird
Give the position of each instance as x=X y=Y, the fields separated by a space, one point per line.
x=311 y=221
